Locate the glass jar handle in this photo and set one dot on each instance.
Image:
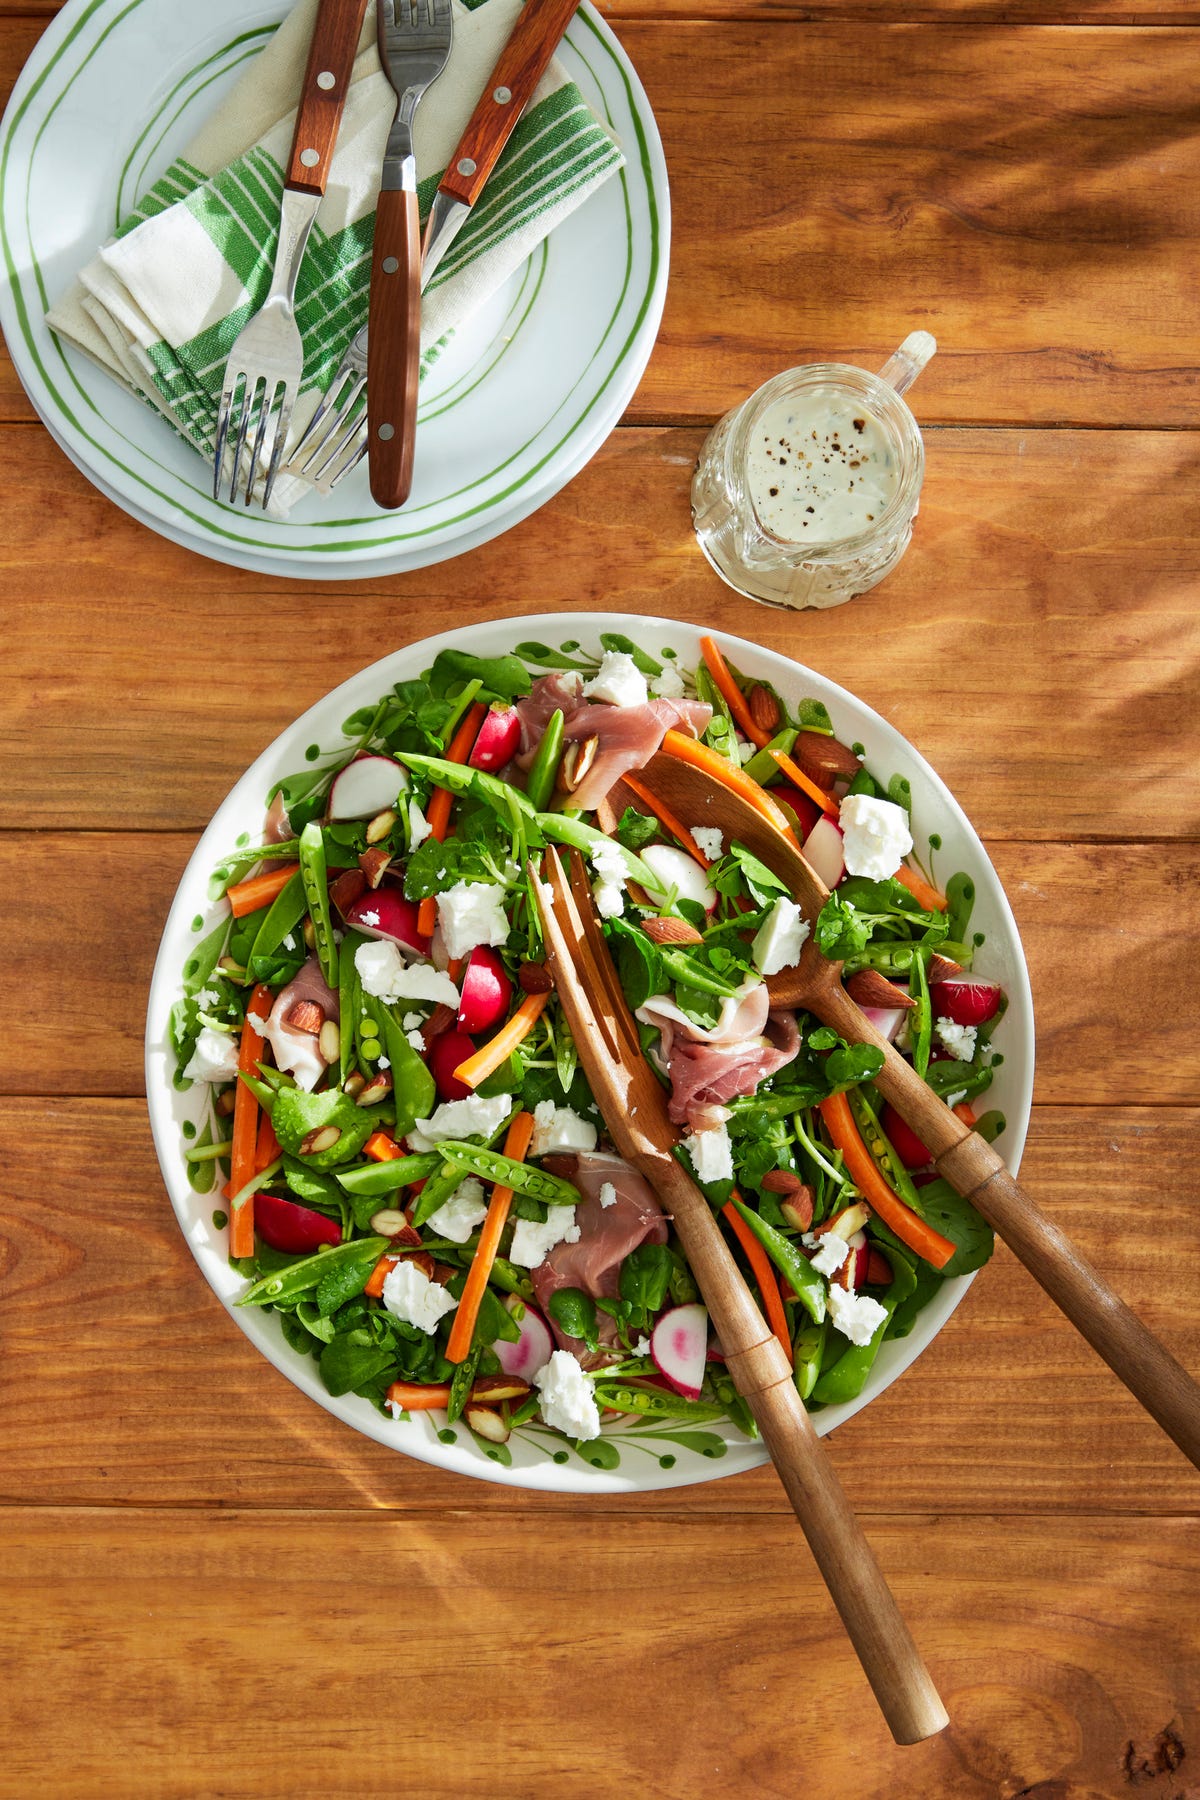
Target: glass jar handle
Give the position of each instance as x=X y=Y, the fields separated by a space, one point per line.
x=902 y=368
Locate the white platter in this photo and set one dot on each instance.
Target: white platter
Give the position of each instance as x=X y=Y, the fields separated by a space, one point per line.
x=539 y=1460
x=519 y=402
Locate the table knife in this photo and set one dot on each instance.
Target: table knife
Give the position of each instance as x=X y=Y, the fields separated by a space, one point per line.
x=507 y=92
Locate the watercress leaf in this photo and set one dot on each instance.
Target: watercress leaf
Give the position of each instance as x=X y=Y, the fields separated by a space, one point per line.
x=850 y=1064
x=958 y=1220
x=345 y=1279
x=841 y=930
x=295 y=1114
x=636 y=829
x=645 y=1276
x=347 y=1362
x=639 y=962
x=503 y=677
x=763 y=885
x=575 y=1312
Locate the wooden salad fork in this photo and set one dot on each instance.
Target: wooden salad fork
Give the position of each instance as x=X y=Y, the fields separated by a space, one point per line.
x=634 y=1110
x=966 y=1161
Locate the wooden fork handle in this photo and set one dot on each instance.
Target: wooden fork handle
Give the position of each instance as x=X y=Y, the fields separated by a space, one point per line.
x=522 y=63
x=393 y=346
x=974 y=1170
x=323 y=93
x=763 y=1376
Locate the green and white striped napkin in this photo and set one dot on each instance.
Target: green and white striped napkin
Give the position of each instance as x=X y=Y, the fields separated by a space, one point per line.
x=160 y=305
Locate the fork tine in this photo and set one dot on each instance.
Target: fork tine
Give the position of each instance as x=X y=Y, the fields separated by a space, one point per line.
x=239 y=448
x=283 y=420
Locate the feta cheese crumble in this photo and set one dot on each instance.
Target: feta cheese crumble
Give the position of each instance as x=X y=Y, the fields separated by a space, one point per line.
x=215 y=1057
x=455 y=1120
x=780 y=938
x=668 y=684
x=419 y=827
x=412 y=1021
x=958 y=1039
x=385 y=974
x=559 y=1128
x=711 y=1153
x=856 y=1316
x=831 y=1251
x=534 y=1239
x=608 y=1194
x=463 y=1212
x=875 y=836
x=568 y=1402
x=618 y=680
x=472 y=913
x=709 y=840
x=410 y=1296
x=416 y=1042
x=610 y=865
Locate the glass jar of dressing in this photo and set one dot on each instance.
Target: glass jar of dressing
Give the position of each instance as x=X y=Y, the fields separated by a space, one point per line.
x=805 y=494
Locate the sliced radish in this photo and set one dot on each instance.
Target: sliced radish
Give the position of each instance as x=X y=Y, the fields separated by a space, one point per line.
x=904 y=1140
x=498 y=741
x=368 y=785
x=806 y=812
x=486 y=990
x=294 y=1230
x=532 y=1350
x=679 y=1346
x=967 y=999
x=387 y=915
x=676 y=869
x=445 y=1054
x=887 y=1020
x=823 y=851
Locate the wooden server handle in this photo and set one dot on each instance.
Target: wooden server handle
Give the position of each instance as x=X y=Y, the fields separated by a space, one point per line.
x=323 y=93
x=973 y=1168
x=523 y=61
x=393 y=346
x=763 y=1376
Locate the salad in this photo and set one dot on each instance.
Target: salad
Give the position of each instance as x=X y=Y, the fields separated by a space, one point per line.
x=397 y=1135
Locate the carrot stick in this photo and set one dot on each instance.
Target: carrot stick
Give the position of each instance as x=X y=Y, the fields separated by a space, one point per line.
x=242 y=1159
x=880 y=1197
x=259 y=890
x=701 y=756
x=441 y=800
x=763 y=1273
x=487 y=1060
x=732 y=694
x=920 y=889
x=798 y=778
x=668 y=818
x=965 y=1112
x=382 y=1148
x=516 y=1145
x=266 y=1148
x=417 y=1396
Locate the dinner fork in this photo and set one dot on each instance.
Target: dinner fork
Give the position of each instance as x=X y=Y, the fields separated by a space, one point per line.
x=414 y=48
x=634 y=1109
x=266 y=360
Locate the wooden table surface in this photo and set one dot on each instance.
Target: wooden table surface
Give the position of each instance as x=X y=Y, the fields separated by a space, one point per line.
x=210 y=1587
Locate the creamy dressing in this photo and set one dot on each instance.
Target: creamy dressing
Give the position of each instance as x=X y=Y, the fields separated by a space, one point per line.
x=820 y=468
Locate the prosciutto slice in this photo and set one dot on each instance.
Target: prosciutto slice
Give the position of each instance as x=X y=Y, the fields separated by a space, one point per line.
x=607 y=1235
x=628 y=736
x=708 y=1065
x=298 y=1052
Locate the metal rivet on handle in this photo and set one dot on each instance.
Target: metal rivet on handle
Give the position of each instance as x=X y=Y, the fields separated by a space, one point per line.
x=466 y=165
x=502 y=96
x=386 y=432
x=310 y=158
x=326 y=79
x=390 y=265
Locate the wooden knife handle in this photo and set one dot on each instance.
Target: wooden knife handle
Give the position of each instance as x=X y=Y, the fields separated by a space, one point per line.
x=762 y=1374
x=393 y=346
x=323 y=93
x=523 y=62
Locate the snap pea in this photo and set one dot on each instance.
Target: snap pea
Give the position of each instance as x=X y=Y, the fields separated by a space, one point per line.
x=655 y=1403
x=413 y=1088
x=348 y=988
x=809 y=1287
x=807 y=1353
x=543 y=770
x=386 y=1177
x=316 y=892
x=845 y=1379
x=457 y=710
x=875 y=1138
x=492 y=1165
x=579 y=836
x=460 y=778
x=437 y=1190
x=304 y=1277
x=921 y=1026
x=762 y=766
x=283 y=915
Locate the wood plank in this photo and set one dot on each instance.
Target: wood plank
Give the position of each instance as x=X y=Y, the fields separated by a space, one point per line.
x=1124 y=901
x=1025 y=193
x=429 y=1656
x=124 y=1381
x=1056 y=568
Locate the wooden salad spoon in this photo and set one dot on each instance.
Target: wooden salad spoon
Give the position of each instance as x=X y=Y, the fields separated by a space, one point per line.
x=634 y=1110
x=959 y=1154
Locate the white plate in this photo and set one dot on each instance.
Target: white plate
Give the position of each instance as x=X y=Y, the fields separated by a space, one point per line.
x=661 y=1457
x=523 y=397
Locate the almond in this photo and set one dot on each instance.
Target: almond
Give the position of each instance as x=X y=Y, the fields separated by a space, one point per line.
x=869 y=987
x=823 y=759
x=379 y=827
x=797 y=1208
x=439 y=1020
x=225 y=1103
x=354 y=1085
x=323 y=1138
x=535 y=978
x=577 y=760
x=671 y=931
x=348 y=887
x=485 y=1423
x=781 y=1181
x=489 y=1390
x=329 y=1041
x=377 y=1089
x=374 y=864
x=390 y=1222
x=306 y=1015
x=942 y=968
x=764 y=708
